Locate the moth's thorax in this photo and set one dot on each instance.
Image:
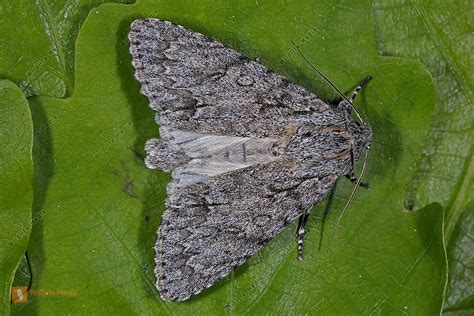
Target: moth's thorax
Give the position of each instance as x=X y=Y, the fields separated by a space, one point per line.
x=311 y=142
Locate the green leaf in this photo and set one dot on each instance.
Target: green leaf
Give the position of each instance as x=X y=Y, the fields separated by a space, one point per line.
x=16 y=188
x=93 y=249
x=38 y=40
x=439 y=34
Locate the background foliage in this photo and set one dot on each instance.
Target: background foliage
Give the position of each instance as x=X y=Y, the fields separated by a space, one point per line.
x=95 y=207
x=16 y=194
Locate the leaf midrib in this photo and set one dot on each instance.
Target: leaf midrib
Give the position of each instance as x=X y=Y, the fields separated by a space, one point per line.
x=460 y=198
x=55 y=40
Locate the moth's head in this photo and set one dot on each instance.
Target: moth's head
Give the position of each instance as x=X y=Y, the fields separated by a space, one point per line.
x=362 y=137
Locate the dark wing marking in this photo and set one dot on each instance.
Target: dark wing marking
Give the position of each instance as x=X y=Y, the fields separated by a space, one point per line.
x=210 y=228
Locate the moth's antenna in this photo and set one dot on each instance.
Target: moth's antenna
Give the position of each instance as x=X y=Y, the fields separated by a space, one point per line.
x=350 y=198
x=328 y=81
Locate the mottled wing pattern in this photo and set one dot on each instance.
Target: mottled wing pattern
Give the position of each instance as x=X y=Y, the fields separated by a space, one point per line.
x=221 y=116
x=212 y=227
x=196 y=84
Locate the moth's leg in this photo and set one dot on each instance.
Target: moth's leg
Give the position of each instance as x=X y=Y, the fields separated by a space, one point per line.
x=359 y=87
x=353 y=179
x=300 y=233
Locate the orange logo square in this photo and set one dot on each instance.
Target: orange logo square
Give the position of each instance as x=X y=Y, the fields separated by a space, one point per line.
x=19 y=294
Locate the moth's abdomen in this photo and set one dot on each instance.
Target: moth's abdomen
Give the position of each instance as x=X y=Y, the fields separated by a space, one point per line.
x=195 y=157
x=161 y=154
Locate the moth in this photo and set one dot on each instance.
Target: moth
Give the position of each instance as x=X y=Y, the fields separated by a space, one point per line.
x=249 y=152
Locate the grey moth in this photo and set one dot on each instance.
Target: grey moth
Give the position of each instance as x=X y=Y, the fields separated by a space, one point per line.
x=248 y=150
